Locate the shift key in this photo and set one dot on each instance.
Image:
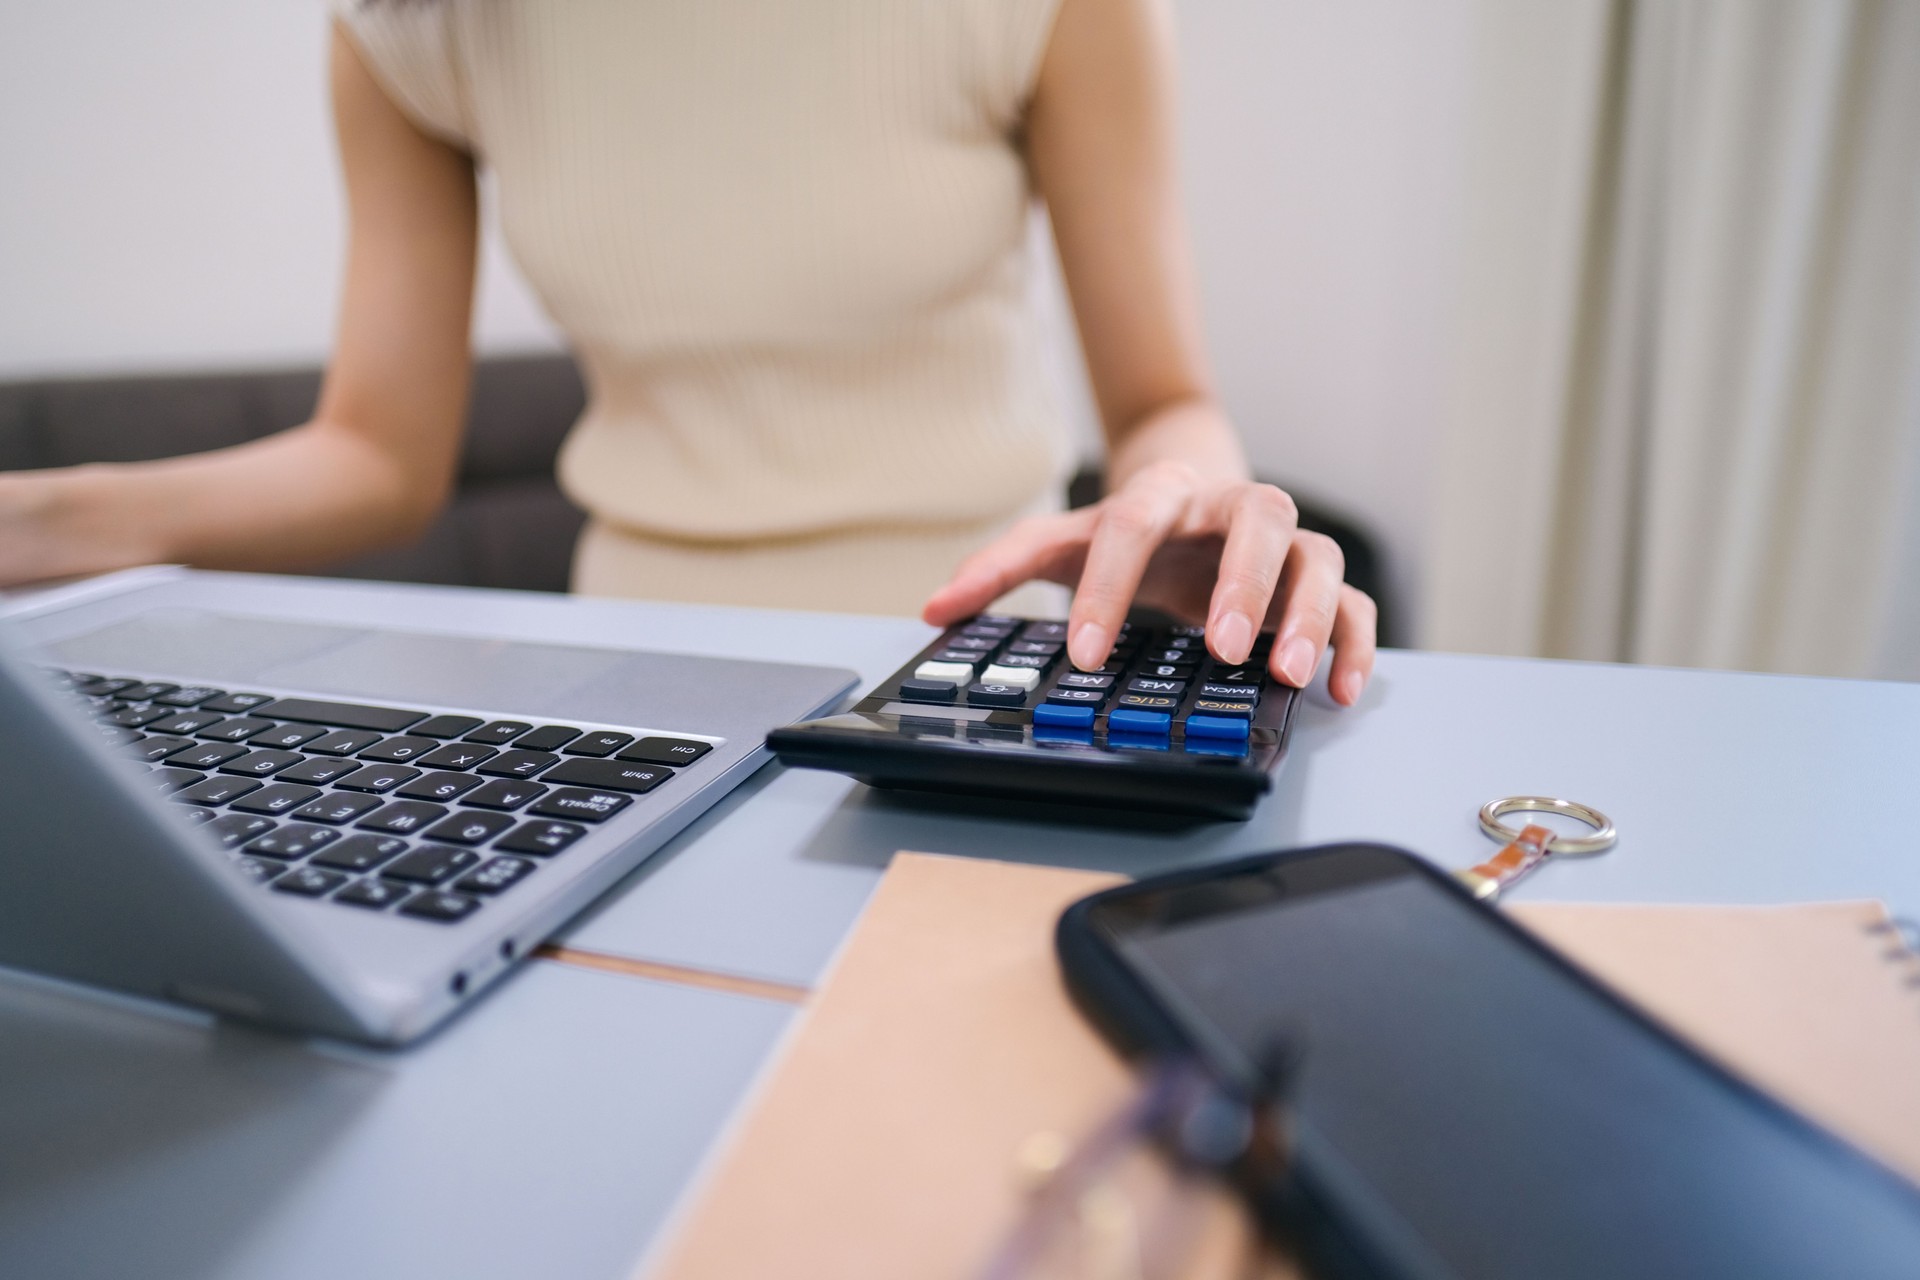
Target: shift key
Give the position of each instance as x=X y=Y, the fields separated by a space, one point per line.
x=613 y=775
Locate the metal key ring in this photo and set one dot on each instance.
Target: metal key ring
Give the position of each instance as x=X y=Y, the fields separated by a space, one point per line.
x=1603 y=833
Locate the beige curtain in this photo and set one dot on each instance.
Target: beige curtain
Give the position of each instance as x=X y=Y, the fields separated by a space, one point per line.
x=1685 y=427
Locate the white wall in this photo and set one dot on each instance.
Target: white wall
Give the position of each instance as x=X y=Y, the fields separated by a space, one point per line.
x=170 y=200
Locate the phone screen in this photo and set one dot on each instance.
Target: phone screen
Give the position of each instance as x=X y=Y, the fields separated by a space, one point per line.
x=1478 y=1111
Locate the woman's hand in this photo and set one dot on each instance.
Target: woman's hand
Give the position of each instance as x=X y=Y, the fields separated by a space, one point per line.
x=1226 y=551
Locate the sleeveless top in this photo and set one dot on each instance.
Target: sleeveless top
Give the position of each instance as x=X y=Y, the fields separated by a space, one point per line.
x=787 y=240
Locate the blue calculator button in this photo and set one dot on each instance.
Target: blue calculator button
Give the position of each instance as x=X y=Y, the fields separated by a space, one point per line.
x=1129 y=720
x=1216 y=727
x=1063 y=717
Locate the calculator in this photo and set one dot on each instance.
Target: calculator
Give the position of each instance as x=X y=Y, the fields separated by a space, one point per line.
x=994 y=707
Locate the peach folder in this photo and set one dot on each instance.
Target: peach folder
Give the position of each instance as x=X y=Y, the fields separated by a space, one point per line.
x=883 y=1141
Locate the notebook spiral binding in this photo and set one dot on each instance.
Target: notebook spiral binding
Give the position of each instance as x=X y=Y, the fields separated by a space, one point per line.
x=1904 y=934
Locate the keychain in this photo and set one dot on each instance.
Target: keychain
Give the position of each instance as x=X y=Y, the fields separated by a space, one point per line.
x=1528 y=848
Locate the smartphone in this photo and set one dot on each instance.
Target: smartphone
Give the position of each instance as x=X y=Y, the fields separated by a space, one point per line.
x=1466 y=1103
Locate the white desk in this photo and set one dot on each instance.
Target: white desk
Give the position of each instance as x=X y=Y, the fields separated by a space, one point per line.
x=549 y=1131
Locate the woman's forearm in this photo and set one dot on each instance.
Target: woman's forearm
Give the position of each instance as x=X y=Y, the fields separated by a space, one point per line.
x=302 y=498
x=1191 y=431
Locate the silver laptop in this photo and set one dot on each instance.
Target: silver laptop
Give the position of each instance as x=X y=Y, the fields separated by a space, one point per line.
x=330 y=828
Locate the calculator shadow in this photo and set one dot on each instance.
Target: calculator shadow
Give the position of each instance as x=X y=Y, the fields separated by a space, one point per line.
x=176 y=1133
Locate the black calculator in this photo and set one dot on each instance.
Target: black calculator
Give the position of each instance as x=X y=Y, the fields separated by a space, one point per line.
x=994 y=707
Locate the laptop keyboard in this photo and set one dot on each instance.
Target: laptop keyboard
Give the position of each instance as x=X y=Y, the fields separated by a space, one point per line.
x=375 y=807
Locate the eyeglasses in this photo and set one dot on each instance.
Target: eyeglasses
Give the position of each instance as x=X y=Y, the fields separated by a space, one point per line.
x=1130 y=1201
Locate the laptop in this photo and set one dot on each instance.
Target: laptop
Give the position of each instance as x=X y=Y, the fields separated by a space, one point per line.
x=212 y=795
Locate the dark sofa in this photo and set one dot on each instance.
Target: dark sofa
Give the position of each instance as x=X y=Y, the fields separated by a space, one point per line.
x=507 y=526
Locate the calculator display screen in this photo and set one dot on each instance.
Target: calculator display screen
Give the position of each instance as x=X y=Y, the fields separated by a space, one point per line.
x=1477 y=1110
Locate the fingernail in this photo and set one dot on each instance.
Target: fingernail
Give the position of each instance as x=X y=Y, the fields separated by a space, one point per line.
x=1089 y=646
x=1350 y=686
x=1232 y=637
x=1296 y=661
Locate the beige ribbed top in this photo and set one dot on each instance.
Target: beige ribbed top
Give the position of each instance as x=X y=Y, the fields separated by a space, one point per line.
x=787 y=239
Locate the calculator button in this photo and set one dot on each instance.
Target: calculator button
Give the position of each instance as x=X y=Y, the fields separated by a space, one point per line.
x=586 y=805
x=1224 y=707
x=1148 y=684
x=614 y=775
x=336 y=808
x=1168 y=670
x=1022 y=678
x=1076 y=697
x=1206 y=726
x=504 y=793
x=497 y=733
x=600 y=742
x=542 y=838
x=1149 y=702
x=929 y=690
x=1086 y=680
x=965 y=657
x=446 y=726
x=950 y=672
x=1170 y=655
x=1133 y=720
x=995 y=630
x=1044 y=648
x=375 y=894
x=996 y=695
x=974 y=644
x=279 y=798
x=674 y=751
x=443 y=908
x=1030 y=661
x=1044 y=631
x=496 y=875
x=1244 y=676
x=358 y=853
x=548 y=737
x=1060 y=716
x=1230 y=692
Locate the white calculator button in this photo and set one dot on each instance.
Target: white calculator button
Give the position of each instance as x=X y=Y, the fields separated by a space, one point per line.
x=957 y=672
x=1019 y=677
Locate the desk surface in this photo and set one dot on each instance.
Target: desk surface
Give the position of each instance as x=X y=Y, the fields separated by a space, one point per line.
x=551 y=1129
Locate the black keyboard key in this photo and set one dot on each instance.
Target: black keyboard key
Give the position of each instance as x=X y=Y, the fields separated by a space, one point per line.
x=232 y=704
x=215 y=792
x=106 y=687
x=360 y=853
x=1152 y=684
x=1085 y=680
x=1044 y=631
x=236 y=730
x=496 y=875
x=295 y=840
x=1223 y=707
x=188 y=696
x=517 y=764
x=318 y=770
x=1064 y=697
x=457 y=755
x=974 y=644
x=966 y=656
x=440 y=786
x=1043 y=648
x=1167 y=670
x=996 y=695
x=155 y=749
x=612 y=775
x=260 y=764
x=588 y=806
x=600 y=742
x=498 y=733
x=929 y=690
x=309 y=882
x=1148 y=702
x=398 y=750
x=548 y=737
x=376 y=895
x=1031 y=661
x=679 y=752
x=286 y=735
x=1235 y=675
x=433 y=865
x=169 y=779
x=445 y=908
x=343 y=715
x=147 y=692
x=998 y=630
x=1236 y=692
x=205 y=755
x=379 y=778
x=200 y=815
x=117 y=735
x=446 y=726
x=134 y=717
x=336 y=807
x=542 y=838
x=504 y=793
x=260 y=870
x=235 y=829
x=184 y=722
x=343 y=742
x=402 y=817
x=281 y=797
x=469 y=828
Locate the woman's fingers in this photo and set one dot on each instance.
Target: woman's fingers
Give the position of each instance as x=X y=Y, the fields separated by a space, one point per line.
x=1022 y=553
x=1131 y=526
x=1315 y=567
x=1354 y=628
x=1260 y=522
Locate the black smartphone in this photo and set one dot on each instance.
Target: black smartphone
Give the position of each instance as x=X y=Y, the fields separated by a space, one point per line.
x=1466 y=1103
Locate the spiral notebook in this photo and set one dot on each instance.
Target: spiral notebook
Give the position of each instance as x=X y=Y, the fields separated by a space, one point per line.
x=882 y=1142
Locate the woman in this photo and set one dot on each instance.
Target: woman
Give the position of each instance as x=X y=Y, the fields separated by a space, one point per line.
x=788 y=244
